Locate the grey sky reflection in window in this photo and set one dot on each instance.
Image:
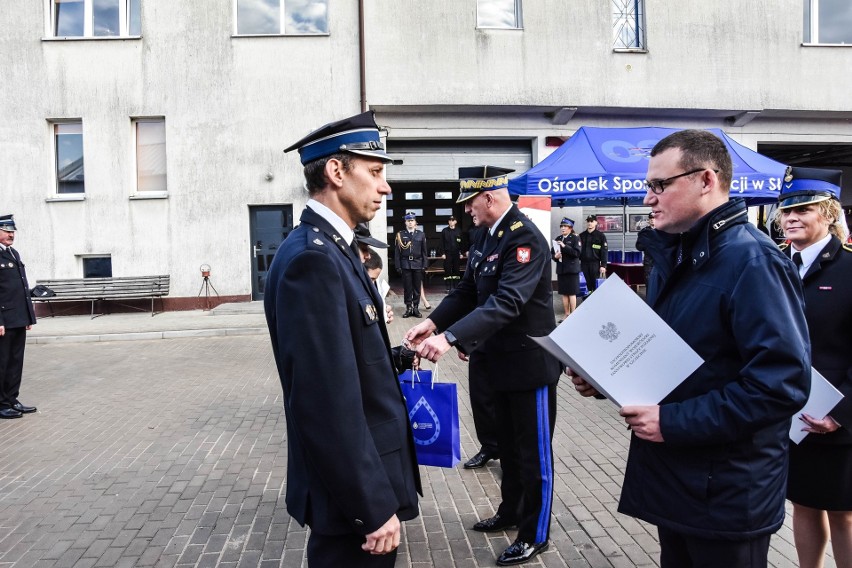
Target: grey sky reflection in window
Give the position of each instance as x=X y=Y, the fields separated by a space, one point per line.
x=306 y=16
x=106 y=17
x=497 y=14
x=835 y=21
x=300 y=17
x=69 y=158
x=69 y=18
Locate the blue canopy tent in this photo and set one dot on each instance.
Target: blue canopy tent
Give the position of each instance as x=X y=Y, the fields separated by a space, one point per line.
x=607 y=166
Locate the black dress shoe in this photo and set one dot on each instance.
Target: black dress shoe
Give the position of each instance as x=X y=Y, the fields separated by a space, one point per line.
x=407 y=313
x=23 y=409
x=479 y=460
x=494 y=524
x=9 y=413
x=416 y=313
x=520 y=551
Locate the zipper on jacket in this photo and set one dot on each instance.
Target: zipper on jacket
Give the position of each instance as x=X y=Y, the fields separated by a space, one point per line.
x=719 y=224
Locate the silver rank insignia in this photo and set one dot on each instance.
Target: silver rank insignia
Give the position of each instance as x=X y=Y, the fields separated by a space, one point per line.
x=371 y=312
x=318 y=242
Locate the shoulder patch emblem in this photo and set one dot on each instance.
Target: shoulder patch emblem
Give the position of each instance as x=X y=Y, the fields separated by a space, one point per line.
x=516 y=225
x=524 y=254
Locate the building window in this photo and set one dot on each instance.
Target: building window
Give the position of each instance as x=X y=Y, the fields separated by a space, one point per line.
x=504 y=14
x=150 y=154
x=628 y=25
x=282 y=17
x=96 y=18
x=828 y=22
x=97 y=266
x=68 y=144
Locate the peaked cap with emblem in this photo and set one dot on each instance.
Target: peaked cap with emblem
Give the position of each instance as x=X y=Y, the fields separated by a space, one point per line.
x=566 y=222
x=476 y=179
x=357 y=134
x=363 y=237
x=808 y=185
x=7 y=223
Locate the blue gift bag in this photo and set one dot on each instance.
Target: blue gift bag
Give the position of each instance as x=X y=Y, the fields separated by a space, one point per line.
x=433 y=411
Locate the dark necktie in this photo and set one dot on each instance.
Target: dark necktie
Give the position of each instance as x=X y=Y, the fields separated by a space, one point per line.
x=797 y=260
x=354 y=247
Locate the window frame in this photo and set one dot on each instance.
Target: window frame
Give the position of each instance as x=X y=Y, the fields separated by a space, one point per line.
x=147 y=193
x=637 y=16
x=124 y=16
x=810 y=36
x=282 y=12
x=519 y=19
x=56 y=195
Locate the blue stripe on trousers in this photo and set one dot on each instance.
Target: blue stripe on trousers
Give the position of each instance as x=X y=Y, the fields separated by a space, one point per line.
x=545 y=462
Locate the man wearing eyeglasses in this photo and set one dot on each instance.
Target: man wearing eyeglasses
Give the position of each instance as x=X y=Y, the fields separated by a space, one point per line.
x=708 y=465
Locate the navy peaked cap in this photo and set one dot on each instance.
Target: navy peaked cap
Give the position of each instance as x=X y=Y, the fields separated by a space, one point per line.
x=357 y=134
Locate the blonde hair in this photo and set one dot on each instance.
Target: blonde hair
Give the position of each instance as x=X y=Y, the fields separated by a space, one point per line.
x=829 y=209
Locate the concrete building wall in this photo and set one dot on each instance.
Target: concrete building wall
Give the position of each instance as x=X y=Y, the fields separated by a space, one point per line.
x=231 y=104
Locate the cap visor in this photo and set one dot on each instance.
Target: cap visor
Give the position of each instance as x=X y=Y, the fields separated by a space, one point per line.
x=376 y=154
x=799 y=200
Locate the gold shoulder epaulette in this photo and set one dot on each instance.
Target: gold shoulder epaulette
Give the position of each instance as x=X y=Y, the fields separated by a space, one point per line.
x=516 y=225
x=783 y=246
x=847 y=247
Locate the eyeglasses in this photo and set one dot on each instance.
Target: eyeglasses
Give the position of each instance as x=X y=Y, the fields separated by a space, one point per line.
x=659 y=185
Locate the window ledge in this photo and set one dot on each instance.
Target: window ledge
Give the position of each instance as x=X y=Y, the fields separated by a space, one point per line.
x=90 y=38
x=827 y=45
x=629 y=50
x=243 y=36
x=150 y=195
x=72 y=197
x=491 y=28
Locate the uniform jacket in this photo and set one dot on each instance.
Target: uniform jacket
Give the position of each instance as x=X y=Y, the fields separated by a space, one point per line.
x=828 y=309
x=570 y=262
x=593 y=248
x=451 y=241
x=16 y=305
x=505 y=296
x=351 y=462
x=410 y=250
x=721 y=472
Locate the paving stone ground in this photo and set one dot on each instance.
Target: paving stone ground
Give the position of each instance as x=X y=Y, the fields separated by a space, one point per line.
x=171 y=452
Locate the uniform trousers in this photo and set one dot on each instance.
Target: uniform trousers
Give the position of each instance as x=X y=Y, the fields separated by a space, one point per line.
x=591 y=271
x=482 y=404
x=678 y=550
x=12 y=346
x=412 y=279
x=452 y=269
x=525 y=422
x=344 y=550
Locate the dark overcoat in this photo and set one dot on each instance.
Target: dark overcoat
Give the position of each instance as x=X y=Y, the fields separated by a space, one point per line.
x=16 y=305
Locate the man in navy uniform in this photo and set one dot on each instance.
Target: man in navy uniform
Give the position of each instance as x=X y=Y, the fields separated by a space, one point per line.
x=410 y=260
x=504 y=297
x=593 y=253
x=16 y=317
x=351 y=470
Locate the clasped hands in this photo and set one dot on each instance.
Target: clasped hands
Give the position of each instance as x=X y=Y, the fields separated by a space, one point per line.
x=643 y=420
x=422 y=339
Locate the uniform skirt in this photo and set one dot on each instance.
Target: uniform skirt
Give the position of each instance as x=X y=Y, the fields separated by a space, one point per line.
x=568 y=284
x=820 y=476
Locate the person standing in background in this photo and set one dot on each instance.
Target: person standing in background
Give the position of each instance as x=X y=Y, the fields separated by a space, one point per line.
x=16 y=318
x=820 y=476
x=566 y=254
x=593 y=253
x=410 y=260
x=452 y=253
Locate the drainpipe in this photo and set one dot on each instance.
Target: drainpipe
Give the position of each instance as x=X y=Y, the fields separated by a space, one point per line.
x=362 y=58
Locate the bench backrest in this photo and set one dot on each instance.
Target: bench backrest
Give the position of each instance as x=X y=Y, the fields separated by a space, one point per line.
x=105 y=288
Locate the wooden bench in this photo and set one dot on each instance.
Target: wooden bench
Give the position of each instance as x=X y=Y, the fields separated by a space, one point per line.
x=107 y=289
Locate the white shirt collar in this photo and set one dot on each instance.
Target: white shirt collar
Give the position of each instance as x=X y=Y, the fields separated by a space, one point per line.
x=810 y=253
x=334 y=219
x=500 y=220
